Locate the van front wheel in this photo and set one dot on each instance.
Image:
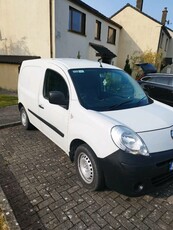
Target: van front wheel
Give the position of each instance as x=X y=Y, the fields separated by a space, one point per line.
x=88 y=168
x=25 y=120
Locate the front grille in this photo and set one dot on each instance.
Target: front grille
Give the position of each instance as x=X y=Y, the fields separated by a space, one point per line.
x=163 y=163
x=162 y=179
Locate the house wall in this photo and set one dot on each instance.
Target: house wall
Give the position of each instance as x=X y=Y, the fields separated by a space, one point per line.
x=9 y=76
x=139 y=33
x=164 y=44
x=170 y=46
x=25 y=27
x=169 y=54
x=68 y=44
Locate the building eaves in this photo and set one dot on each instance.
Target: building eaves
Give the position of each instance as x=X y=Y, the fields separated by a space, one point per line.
x=15 y=59
x=95 y=12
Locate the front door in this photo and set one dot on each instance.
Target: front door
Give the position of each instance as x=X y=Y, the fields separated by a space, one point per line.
x=54 y=118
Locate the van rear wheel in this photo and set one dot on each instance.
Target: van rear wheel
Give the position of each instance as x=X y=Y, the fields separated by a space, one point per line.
x=25 y=120
x=88 y=168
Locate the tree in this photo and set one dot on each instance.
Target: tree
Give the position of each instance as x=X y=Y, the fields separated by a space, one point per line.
x=127 y=66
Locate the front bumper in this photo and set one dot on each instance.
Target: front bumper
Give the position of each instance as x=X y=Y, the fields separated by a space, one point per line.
x=135 y=175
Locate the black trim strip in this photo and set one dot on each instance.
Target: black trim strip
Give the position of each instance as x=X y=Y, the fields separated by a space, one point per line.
x=48 y=124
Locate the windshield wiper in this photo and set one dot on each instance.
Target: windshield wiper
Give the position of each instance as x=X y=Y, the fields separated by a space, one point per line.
x=145 y=97
x=119 y=105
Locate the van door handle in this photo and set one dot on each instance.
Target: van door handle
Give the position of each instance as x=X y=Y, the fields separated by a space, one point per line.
x=41 y=106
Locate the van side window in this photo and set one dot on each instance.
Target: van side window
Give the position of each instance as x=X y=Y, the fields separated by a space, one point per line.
x=54 y=82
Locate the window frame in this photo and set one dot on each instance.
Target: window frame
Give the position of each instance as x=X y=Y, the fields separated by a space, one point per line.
x=47 y=78
x=98 y=25
x=109 y=38
x=162 y=39
x=166 y=44
x=82 y=23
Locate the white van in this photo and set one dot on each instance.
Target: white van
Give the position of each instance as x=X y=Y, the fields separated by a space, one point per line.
x=116 y=135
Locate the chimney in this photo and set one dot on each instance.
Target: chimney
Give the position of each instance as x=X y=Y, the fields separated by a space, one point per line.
x=139 y=4
x=164 y=16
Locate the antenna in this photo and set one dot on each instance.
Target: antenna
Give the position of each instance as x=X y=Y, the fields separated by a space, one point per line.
x=168 y=22
x=100 y=61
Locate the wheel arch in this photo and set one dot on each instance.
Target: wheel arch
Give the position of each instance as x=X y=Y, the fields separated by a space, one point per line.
x=20 y=105
x=74 y=145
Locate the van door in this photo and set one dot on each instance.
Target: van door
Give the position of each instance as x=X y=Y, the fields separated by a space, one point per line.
x=54 y=118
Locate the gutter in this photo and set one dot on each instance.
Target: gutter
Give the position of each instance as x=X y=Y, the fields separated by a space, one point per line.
x=51 y=28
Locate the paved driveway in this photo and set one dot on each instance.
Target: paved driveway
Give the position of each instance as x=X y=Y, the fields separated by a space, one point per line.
x=41 y=186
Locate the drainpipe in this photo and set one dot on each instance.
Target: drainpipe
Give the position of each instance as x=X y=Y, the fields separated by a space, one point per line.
x=51 y=28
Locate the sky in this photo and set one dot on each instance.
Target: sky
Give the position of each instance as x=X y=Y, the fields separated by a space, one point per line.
x=153 y=8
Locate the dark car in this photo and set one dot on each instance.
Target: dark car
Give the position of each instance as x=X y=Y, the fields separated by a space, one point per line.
x=158 y=86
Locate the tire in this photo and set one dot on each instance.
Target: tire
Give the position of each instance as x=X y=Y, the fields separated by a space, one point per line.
x=25 y=120
x=88 y=168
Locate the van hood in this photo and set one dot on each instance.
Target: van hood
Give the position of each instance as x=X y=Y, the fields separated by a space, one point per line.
x=145 y=118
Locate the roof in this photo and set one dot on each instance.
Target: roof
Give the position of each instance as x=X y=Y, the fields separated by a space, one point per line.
x=68 y=63
x=103 y=51
x=165 y=28
x=158 y=75
x=95 y=12
x=15 y=59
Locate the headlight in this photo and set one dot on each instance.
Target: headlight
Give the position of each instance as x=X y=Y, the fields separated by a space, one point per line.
x=127 y=140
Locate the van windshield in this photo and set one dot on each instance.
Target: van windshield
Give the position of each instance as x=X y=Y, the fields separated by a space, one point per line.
x=104 y=89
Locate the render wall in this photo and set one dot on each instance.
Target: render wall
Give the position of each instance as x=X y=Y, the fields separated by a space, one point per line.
x=68 y=44
x=25 y=27
x=170 y=47
x=9 y=76
x=139 y=33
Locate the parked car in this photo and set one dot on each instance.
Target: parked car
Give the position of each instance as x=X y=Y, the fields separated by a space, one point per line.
x=159 y=86
x=103 y=120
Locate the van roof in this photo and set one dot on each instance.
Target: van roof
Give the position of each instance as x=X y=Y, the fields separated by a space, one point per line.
x=68 y=63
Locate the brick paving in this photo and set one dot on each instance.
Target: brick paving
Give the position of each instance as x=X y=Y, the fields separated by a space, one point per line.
x=44 y=192
x=9 y=116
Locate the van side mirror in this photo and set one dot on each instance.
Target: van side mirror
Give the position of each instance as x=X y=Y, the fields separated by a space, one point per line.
x=58 y=98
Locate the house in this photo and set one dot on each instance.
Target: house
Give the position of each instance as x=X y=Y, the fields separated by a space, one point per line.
x=140 y=32
x=49 y=28
x=70 y=28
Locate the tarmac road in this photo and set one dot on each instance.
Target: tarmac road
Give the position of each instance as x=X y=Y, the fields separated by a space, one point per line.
x=42 y=188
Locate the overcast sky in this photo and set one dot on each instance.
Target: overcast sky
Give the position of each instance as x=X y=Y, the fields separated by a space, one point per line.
x=151 y=7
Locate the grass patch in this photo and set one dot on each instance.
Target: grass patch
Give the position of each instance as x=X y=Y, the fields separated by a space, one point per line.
x=7 y=100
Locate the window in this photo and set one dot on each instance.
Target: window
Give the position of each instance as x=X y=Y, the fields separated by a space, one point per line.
x=162 y=80
x=98 y=30
x=146 y=79
x=77 y=21
x=111 y=35
x=54 y=82
x=166 y=44
x=161 y=40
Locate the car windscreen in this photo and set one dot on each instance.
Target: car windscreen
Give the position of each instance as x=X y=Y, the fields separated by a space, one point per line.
x=104 y=89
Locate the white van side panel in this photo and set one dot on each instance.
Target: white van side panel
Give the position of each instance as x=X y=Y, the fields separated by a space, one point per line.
x=30 y=79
